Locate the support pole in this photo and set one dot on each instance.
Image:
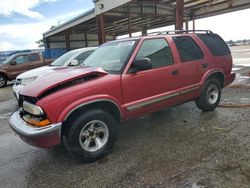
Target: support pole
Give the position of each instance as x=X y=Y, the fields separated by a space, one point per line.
x=193 y=24
x=101 y=29
x=186 y=25
x=46 y=43
x=67 y=41
x=144 y=30
x=86 y=39
x=179 y=15
x=129 y=23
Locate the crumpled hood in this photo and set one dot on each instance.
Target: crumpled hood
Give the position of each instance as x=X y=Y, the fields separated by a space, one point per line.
x=36 y=72
x=59 y=77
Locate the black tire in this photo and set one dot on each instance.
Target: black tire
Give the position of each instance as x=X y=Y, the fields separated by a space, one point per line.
x=210 y=95
x=3 y=81
x=75 y=144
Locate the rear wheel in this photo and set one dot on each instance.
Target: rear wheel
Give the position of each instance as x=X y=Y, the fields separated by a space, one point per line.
x=91 y=135
x=210 y=95
x=3 y=81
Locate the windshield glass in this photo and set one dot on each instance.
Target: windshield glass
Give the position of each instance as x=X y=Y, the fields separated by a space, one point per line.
x=8 y=59
x=63 y=59
x=111 y=56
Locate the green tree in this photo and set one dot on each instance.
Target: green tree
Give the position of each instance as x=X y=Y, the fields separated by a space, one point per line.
x=40 y=43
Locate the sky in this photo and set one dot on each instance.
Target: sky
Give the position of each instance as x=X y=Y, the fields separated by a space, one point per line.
x=22 y=22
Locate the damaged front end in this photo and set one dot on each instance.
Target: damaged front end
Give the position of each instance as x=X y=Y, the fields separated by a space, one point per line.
x=36 y=124
x=31 y=124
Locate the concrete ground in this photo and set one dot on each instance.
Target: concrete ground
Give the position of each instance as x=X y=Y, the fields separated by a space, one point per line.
x=176 y=147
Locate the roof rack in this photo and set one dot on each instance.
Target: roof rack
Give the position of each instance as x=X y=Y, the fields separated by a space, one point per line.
x=180 y=31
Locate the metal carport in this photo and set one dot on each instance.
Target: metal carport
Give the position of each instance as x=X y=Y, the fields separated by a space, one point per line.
x=112 y=18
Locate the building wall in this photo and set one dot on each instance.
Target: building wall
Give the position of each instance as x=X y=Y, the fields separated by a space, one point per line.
x=77 y=40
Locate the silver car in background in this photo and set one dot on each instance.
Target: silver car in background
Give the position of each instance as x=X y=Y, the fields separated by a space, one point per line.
x=71 y=58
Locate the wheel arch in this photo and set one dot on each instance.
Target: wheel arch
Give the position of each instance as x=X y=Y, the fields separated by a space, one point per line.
x=105 y=104
x=218 y=74
x=5 y=75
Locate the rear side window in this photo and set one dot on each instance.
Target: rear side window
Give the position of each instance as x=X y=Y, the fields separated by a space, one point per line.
x=188 y=49
x=34 y=57
x=215 y=44
x=158 y=51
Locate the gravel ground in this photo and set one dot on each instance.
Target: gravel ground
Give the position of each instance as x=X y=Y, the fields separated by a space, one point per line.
x=175 y=147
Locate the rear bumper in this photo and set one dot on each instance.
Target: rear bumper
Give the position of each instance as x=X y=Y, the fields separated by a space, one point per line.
x=42 y=137
x=229 y=79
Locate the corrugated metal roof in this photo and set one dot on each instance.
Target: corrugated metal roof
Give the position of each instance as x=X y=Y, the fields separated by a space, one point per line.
x=146 y=13
x=74 y=21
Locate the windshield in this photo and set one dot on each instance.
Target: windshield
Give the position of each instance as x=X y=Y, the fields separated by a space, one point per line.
x=8 y=59
x=63 y=59
x=111 y=57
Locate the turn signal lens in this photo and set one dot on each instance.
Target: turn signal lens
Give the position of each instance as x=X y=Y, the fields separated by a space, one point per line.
x=36 y=122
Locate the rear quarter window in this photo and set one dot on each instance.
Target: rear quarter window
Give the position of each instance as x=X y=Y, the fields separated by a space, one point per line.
x=34 y=57
x=215 y=44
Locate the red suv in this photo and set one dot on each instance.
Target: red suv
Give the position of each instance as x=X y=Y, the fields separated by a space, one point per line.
x=82 y=107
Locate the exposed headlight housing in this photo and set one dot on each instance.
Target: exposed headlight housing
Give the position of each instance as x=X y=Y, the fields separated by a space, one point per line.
x=32 y=109
x=26 y=81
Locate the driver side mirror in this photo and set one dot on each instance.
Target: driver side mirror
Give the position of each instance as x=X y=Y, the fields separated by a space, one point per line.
x=13 y=62
x=140 y=65
x=74 y=62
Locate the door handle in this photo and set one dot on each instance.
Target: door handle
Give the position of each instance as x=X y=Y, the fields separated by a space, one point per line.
x=204 y=65
x=175 y=72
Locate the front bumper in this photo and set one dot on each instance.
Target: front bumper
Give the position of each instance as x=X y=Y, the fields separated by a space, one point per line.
x=43 y=137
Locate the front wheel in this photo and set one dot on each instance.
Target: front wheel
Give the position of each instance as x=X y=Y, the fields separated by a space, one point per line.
x=3 y=81
x=210 y=95
x=91 y=135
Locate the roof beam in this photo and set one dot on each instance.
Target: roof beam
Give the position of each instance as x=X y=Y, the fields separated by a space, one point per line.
x=223 y=7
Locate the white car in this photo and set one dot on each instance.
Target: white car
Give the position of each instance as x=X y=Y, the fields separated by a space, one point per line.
x=71 y=58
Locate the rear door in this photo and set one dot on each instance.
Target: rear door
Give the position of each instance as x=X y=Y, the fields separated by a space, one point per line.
x=191 y=60
x=149 y=90
x=35 y=61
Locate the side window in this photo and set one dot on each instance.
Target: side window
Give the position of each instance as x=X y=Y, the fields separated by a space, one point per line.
x=215 y=44
x=83 y=56
x=22 y=59
x=158 y=51
x=188 y=49
x=34 y=57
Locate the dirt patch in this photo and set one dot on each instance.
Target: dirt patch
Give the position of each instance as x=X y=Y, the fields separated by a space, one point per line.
x=238 y=86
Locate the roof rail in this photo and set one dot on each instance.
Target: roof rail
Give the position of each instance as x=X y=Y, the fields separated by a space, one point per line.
x=179 y=31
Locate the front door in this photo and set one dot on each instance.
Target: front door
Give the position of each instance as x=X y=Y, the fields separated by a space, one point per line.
x=147 y=91
x=18 y=65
